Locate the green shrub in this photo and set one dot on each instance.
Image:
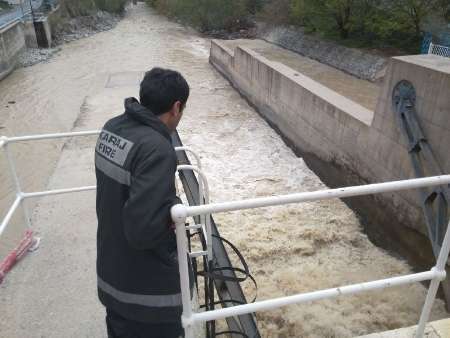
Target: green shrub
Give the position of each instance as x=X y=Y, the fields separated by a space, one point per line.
x=206 y=15
x=4 y=5
x=85 y=7
x=362 y=23
x=113 y=6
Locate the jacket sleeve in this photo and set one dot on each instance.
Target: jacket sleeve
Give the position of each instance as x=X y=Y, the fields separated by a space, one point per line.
x=146 y=214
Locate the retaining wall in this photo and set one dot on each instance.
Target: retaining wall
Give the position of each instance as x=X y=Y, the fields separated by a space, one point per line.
x=345 y=143
x=350 y=60
x=12 y=42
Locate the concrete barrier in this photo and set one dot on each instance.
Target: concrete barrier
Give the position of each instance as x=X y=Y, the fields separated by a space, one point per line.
x=12 y=42
x=347 y=144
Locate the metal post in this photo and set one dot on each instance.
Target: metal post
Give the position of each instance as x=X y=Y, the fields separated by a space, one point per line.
x=21 y=8
x=32 y=12
x=205 y=192
x=430 y=49
x=19 y=193
x=178 y=213
x=440 y=272
x=201 y=194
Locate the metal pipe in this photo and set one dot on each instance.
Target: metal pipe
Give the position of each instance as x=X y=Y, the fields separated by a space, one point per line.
x=194 y=226
x=434 y=285
x=32 y=12
x=318 y=195
x=198 y=161
x=9 y=214
x=203 y=178
x=189 y=150
x=310 y=296
x=57 y=191
x=182 y=249
x=13 y=171
x=198 y=254
x=51 y=136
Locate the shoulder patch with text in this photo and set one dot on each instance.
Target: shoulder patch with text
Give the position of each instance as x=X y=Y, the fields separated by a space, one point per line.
x=113 y=147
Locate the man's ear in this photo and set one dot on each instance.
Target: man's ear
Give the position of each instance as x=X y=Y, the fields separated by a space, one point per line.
x=176 y=108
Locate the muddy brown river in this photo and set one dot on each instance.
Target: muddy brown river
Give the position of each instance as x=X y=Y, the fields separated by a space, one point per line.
x=290 y=249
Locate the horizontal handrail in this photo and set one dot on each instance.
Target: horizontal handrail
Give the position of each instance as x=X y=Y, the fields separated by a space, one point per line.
x=6 y=139
x=312 y=296
x=352 y=191
x=58 y=191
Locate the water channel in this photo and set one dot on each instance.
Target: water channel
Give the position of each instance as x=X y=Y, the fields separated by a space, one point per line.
x=289 y=249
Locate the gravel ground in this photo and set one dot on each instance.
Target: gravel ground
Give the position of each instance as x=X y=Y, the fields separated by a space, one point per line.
x=74 y=29
x=84 y=26
x=32 y=56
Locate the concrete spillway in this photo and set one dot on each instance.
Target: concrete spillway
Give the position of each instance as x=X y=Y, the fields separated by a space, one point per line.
x=52 y=293
x=363 y=92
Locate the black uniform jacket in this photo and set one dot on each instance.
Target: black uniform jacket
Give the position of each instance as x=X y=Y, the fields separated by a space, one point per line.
x=137 y=267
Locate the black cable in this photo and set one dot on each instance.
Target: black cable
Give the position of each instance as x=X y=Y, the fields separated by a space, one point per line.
x=210 y=274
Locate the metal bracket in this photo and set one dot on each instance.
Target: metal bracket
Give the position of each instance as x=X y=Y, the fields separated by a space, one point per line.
x=435 y=202
x=404 y=91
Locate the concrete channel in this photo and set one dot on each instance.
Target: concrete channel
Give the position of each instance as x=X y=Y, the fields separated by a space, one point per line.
x=299 y=248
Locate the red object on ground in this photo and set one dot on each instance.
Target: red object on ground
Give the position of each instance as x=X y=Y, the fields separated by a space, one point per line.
x=15 y=255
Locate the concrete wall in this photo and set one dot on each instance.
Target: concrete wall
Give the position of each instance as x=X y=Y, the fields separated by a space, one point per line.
x=346 y=143
x=43 y=33
x=12 y=42
x=30 y=34
x=17 y=36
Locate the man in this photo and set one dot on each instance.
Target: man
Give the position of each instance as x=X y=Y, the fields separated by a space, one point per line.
x=135 y=164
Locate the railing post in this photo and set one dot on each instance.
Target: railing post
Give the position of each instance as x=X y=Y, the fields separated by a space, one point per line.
x=178 y=213
x=440 y=275
x=430 y=48
x=204 y=188
x=13 y=171
x=201 y=195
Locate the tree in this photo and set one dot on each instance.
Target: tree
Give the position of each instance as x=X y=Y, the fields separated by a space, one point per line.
x=330 y=15
x=205 y=15
x=444 y=7
x=414 y=12
x=254 y=6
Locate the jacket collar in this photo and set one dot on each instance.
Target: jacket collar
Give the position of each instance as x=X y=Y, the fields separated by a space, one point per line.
x=143 y=115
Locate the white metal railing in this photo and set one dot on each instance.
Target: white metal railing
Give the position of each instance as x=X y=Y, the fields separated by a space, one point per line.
x=439 y=50
x=436 y=274
x=21 y=195
x=181 y=212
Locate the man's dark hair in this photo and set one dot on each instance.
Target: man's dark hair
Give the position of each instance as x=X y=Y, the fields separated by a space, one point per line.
x=161 y=88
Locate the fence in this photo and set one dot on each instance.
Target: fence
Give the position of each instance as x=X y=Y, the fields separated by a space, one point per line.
x=27 y=241
x=27 y=9
x=181 y=212
x=435 y=275
x=439 y=50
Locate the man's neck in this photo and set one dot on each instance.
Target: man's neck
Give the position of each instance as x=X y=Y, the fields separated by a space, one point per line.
x=164 y=118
